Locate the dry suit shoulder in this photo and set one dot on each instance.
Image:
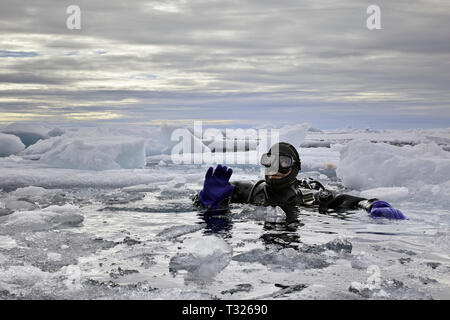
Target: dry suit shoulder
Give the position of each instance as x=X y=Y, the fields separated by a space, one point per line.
x=244 y=190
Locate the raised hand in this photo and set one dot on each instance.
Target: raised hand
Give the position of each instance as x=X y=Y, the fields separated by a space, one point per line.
x=216 y=187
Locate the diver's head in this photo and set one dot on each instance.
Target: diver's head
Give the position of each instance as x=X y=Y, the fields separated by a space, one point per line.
x=282 y=163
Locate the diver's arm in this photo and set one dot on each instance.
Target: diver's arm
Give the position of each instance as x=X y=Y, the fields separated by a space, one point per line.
x=216 y=188
x=314 y=192
x=374 y=207
x=218 y=192
x=327 y=199
x=241 y=193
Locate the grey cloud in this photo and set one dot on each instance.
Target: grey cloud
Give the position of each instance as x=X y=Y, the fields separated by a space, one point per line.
x=17 y=54
x=308 y=56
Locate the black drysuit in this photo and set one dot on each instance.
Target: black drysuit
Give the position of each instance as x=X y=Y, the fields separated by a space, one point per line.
x=291 y=197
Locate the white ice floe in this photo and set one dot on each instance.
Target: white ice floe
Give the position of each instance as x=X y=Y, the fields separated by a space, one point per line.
x=365 y=165
x=33 y=194
x=203 y=258
x=288 y=259
x=110 y=148
x=294 y=134
x=91 y=153
x=15 y=205
x=36 y=174
x=7 y=243
x=10 y=144
x=20 y=279
x=29 y=133
x=53 y=217
x=30 y=198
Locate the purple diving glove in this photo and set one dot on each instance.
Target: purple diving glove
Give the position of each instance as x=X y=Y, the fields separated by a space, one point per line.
x=216 y=187
x=382 y=209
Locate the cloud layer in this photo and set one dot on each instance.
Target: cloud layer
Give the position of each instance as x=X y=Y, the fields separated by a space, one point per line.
x=249 y=61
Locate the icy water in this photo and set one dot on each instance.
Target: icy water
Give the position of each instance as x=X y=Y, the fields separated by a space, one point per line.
x=150 y=242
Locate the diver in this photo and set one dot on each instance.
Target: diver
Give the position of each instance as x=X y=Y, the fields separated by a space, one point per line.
x=282 y=188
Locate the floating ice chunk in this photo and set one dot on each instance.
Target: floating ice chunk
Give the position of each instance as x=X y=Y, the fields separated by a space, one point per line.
x=286 y=259
x=207 y=246
x=91 y=153
x=256 y=213
x=21 y=280
x=169 y=139
x=375 y=288
x=33 y=174
x=53 y=217
x=366 y=290
x=365 y=165
x=294 y=134
x=7 y=242
x=387 y=194
x=15 y=205
x=29 y=133
x=72 y=275
x=33 y=194
x=203 y=258
x=275 y=214
x=30 y=198
x=10 y=144
x=43 y=146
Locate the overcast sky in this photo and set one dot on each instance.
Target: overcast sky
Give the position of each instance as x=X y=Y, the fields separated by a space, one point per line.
x=246 y=62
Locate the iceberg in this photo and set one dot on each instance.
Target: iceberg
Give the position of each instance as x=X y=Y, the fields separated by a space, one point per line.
x=91 y=153
x=203 y=258
x=34 y=194
x=53 y=217
x=365 y=165
x=29 y=133
x=294 y=134
x=10 y=144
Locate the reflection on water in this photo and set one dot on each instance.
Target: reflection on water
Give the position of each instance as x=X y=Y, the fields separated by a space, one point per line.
x=217 y=222
x=282 y=234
